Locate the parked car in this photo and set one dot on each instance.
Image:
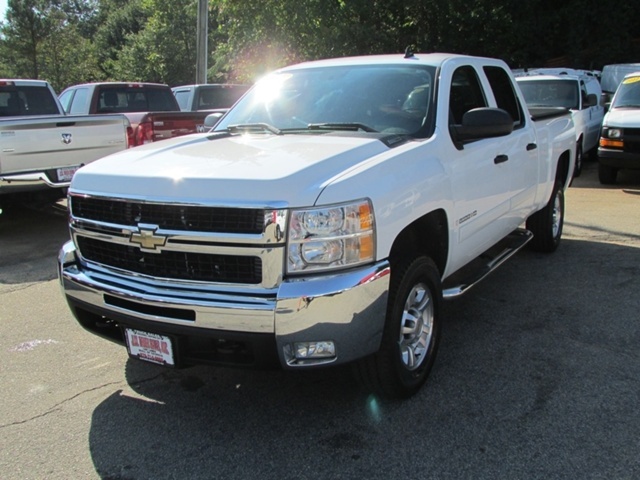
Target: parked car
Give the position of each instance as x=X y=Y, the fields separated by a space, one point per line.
x=151 y=108
x=42 y=147
x=620 y=138
x=322 y=221
x=208 y=97
x=577 y=90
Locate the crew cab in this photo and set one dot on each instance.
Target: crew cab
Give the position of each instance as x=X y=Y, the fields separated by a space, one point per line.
x=151 y=108
x=577 y=90
x=620 y=138
x=323 y=220
x=41 y=147
x=212 y=97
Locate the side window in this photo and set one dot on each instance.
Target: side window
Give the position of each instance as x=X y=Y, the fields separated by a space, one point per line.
x=78 y=105
x=505 y=96
x=182 y=97
x=466 y=94
x=65 y=99
x=583 y=95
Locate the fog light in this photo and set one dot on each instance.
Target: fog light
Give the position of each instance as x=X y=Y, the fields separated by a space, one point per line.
x=309 y=350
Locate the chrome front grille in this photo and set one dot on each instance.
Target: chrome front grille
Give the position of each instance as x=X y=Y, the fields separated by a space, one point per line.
x=168 y=216
x=173 y=265
x=209 y=246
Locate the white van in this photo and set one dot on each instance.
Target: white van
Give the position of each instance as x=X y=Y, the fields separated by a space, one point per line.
x=620 y=140
x=577 y=90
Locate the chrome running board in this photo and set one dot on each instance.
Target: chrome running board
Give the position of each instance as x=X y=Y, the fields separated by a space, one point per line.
x=469 y=275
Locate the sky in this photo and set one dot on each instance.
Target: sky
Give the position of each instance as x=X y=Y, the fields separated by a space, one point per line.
x=3 y=8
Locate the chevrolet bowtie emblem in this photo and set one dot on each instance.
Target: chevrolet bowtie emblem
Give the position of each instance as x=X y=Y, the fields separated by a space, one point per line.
x=147 y=238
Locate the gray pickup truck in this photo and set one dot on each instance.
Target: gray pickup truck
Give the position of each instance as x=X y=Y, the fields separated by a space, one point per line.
x=41 y=147
x=208 y=97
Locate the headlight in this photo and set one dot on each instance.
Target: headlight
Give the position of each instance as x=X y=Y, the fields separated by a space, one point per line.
x=331 y=237
x=612 y=132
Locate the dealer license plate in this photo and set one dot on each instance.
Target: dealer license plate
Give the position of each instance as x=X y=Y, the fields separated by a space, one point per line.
x=65 y=174
x=150 y=347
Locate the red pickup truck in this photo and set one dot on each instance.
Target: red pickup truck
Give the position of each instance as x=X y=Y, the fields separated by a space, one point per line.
x=151 y=108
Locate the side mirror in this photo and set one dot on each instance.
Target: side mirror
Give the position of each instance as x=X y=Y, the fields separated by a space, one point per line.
x=480 y=123
x=592 y=100
x=211 y=119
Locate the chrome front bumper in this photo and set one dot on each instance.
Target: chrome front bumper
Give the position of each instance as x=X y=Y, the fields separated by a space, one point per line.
x=347 y=308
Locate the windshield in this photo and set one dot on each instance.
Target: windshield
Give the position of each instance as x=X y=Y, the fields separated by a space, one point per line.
x=628 y=94
x=551 y=93
x=388 y=98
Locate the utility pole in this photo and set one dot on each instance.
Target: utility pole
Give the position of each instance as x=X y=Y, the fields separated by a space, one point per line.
x=201 y=42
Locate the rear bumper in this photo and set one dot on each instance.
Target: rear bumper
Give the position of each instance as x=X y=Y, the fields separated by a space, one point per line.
x=28 y=182
x=347 y=309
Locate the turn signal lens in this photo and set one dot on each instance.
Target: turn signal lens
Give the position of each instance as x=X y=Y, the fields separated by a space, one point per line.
x=609 y=143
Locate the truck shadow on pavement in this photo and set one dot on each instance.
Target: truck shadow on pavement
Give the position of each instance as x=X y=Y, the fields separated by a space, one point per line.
x=532 y=361
x=30 y=238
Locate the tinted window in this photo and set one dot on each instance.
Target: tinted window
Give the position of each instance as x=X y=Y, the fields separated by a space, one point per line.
x=550 y=93
x=503 y=91
x=23 y=100
x=223 y=96
x=136 y=99
x=466 y=94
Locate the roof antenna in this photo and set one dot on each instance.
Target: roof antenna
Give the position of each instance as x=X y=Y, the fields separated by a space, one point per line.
x=408 y=53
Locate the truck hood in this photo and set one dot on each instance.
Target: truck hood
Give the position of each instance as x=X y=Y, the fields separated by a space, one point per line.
x=623 y=117
x=261 y=169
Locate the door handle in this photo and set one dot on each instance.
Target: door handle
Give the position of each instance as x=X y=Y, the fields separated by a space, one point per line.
x=531 y=146
x=500 y=159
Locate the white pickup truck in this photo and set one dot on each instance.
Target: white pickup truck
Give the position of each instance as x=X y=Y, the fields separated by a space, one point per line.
x=322 y=221
x=41 y=147
x=577 y=90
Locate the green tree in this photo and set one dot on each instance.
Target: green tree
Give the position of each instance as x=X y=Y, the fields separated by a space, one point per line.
x=26 y=27
x=41 y=39
x=118 y=21
x=164 y=50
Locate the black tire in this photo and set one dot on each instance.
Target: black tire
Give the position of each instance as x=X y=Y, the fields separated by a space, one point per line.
x=546 y=224
x=579 y=159
x=411 y=333
x=607 y=175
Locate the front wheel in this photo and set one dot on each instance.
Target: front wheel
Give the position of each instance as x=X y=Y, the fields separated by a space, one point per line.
x=546 y=224
x=411 y=332
x=607 y=175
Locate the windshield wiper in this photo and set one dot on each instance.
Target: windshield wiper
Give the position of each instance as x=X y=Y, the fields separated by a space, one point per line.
x=253 y=127
x=352 y=126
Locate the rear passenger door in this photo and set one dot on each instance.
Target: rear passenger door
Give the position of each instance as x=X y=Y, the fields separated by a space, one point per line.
x=519 y=148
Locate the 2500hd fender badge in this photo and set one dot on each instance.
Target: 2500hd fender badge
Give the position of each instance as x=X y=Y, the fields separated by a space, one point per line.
x=146 y=238
x=468 y=216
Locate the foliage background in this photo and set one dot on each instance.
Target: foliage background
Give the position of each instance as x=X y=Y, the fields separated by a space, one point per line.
x=75 y=41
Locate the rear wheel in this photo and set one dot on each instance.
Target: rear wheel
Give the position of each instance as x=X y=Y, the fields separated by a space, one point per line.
x=607 y=175
x=411 y=333
x=546 y=224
